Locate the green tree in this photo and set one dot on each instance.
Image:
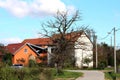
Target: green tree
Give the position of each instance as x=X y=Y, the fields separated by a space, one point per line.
x=105 y=54
x=118 y=59
x=7 y=58
x=2 y=48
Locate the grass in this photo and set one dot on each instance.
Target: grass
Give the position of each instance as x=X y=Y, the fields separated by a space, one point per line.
x=36 y=74
x=67 y=74
x=64 y=75
x=109 y=76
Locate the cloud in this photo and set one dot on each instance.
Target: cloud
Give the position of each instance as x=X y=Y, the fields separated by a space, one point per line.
x=22 y=8
x=10 y=40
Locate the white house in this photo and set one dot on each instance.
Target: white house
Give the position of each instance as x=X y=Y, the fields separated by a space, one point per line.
x=83 y=49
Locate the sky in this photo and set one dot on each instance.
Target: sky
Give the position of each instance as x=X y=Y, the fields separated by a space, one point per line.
x=22 y=19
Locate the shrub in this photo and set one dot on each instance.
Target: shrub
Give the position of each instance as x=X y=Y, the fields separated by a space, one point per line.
x=32 y=63
x=102 y=65
x=42 y=64
x=46 y=75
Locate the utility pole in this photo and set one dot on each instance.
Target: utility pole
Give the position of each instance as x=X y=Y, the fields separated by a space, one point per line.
x=115 y=67
x=96 y=51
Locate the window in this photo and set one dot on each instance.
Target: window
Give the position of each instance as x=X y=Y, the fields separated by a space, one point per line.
x=25 y=50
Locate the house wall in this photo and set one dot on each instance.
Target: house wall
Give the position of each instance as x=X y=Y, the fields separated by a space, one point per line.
x=83 y=49
x=22 y=54
x=48 y=54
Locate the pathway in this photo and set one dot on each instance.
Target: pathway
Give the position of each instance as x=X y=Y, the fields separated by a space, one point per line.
x=90 y=75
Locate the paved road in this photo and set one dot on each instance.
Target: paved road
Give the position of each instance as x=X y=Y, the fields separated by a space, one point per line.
x=90 y=75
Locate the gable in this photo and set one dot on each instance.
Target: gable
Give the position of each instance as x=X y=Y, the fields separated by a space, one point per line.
x=83 y=42
x=24 y=50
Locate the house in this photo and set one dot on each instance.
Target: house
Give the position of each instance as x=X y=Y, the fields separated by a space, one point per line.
x=33 y=48
x=22 y=53
x=83 y=48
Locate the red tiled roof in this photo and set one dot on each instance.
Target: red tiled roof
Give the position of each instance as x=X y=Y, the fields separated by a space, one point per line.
x=38 y=41
x=73 y=36
x=13 y=47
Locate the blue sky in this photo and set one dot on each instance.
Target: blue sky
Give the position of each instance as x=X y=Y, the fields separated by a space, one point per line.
x=22 y=19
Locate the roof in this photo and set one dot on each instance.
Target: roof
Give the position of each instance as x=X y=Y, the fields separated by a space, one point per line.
x=73 y=36
x=13 y=47
x=35 y=48
x=38 y=41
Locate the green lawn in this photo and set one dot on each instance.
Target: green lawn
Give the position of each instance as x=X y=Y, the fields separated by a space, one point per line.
x=111 y=76
x=67 y=74
x=36 y=74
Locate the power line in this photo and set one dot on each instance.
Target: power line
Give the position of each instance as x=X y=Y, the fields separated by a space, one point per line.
x=106 y=35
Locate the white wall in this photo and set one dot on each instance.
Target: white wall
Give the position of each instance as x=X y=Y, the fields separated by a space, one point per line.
x=49 y=54
x=83 y=48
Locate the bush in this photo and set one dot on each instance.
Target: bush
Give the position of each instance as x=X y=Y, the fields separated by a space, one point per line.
x=102 y=65
x=7 y=74
x=46 y=75
x=32 y=63
x=42 y=64
x=111 y=76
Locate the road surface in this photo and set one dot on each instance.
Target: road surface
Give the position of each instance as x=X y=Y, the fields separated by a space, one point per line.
x=90 y=75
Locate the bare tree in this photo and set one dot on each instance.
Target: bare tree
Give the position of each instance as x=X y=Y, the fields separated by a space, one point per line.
x=62 y=35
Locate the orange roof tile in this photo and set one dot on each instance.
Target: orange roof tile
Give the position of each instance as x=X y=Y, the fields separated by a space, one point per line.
x=38 y=41
x=73 y=36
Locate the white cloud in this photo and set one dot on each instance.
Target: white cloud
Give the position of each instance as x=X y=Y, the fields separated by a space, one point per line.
x=10 y=40
x=21 y=8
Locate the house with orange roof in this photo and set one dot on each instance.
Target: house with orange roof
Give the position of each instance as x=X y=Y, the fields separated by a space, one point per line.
x=22 y=53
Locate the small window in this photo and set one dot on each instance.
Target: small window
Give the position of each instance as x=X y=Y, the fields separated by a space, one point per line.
x=25 y=50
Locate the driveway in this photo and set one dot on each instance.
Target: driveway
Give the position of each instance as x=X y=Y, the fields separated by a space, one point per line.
x=90 y=75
